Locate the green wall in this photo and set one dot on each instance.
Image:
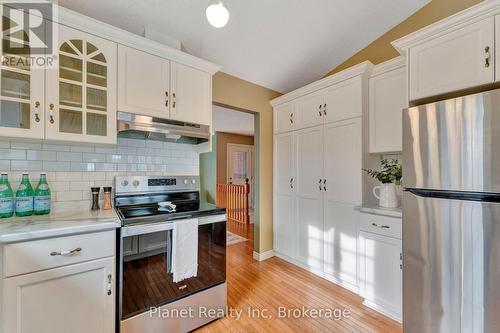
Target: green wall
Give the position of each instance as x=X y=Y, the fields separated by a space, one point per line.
x=208 y=167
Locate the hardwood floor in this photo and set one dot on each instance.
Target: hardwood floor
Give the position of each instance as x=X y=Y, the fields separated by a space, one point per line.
x=263 y=287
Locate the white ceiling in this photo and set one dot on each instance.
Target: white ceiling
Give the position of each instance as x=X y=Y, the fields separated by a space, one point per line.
x=231 y=121
x=279 y=44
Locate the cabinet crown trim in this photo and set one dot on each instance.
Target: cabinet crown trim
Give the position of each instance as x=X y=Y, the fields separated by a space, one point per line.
x=389 y=65
x=360 y=69
x=89 y=25
x=467 y=16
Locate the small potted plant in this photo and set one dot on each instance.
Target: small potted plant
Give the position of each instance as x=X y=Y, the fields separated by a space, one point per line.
x=389 y=176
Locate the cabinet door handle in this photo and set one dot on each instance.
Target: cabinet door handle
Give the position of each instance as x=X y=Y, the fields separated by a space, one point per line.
x=291 y=182
x=173 y=103
x=110 y=284
x=324 y=109
x=51 y=113
x=36 y=111
x=319 y=111
x=381 y=226
x=291 y=118
x=319 y=184
x=67 y=253
x=324 y=184
x=183 y=287
x=487 y=56
x=166 y=99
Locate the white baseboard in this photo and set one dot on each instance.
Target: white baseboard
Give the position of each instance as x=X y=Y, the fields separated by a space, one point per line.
x=263 y=256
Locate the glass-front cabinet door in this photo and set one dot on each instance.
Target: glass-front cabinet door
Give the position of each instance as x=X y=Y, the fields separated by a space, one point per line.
x=81 y=91
x=21 y=85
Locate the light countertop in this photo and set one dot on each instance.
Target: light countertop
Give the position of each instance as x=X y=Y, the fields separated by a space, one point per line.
x=391 y=212
x=64 y=219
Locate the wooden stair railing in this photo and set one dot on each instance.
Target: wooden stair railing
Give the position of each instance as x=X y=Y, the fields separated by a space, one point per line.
x=235 y=199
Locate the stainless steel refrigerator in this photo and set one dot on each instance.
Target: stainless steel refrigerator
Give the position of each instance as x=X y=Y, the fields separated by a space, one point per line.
x=451 y=215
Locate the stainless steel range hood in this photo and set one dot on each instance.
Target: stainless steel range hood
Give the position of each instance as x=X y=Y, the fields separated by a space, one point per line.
x=134 y=126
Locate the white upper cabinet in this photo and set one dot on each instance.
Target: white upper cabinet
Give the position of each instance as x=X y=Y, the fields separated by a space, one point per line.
x=342 y=161
x=460 y=59
x=143 y=83
x=22 y=101
x=343 y=100
x=157 y=87
x=81 y=91
x=387 y=100
x=309 y=110
x=284 y=117
x=191 y=95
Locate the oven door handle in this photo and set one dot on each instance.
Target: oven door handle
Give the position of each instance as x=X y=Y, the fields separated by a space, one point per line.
x=141 y=229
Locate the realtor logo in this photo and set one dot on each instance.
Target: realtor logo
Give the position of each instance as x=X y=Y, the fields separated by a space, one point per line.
x=28 y=31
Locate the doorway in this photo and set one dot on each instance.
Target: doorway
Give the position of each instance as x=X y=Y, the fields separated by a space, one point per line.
x=240 y=167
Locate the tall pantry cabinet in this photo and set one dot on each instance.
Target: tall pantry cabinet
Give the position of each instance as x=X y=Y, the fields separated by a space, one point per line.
x=317 y=174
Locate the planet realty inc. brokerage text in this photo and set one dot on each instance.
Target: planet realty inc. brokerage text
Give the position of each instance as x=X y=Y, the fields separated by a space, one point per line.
x=279 y=312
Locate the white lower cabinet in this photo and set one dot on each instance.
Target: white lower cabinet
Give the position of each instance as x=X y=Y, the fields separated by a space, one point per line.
x=77 y=297
x=380 y=266
x=340 y=238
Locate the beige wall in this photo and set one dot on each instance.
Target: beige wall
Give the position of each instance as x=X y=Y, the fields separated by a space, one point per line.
x=381 y=49
x=234 y=92
x=222 y=140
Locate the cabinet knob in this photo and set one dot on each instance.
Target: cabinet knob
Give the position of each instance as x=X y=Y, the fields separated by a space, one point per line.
x=324 y=109
x=174 y=102
x=319 y=111
x=51 y=113
x=487 y=56
x=36 y=111
x=291 y=118
x=166 y=99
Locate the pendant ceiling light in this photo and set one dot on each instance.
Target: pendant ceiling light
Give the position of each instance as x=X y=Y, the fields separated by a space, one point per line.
x=217 y=14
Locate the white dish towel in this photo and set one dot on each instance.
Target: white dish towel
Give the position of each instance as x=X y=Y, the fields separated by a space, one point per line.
x=185 y=249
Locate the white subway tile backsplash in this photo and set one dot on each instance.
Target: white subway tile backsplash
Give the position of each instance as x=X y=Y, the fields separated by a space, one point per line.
x=25 y=145
x=55 y=166
x=41 y=155
x=82 y=149
x=69 y=156
x=69 y=196
x=12 y=154
x=93 y=157
x=73 y=168
x=55 y=147
x=4 y=165
x=20 y=165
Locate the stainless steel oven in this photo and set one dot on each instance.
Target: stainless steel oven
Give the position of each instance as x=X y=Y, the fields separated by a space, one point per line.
x=146 y=284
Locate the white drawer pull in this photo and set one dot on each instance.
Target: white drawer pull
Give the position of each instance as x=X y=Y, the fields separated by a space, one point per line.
x=183 y=287
x=381 y=226
x=76 y=251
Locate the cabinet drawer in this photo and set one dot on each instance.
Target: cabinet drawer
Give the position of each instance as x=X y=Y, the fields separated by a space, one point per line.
x=381 y=225
x=32 y=256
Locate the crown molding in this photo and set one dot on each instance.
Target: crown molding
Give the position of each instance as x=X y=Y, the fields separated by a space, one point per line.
x=89 y=25
x=389 y=65
x=485 y=9
x=363 y=68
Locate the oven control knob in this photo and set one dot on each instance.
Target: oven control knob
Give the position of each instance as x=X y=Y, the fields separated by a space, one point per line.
x=124 y=182
x=185 y=181
x=193 y=181
x=135 y=183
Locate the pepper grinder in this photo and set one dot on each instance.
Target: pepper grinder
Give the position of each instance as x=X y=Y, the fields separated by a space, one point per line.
x=107 y=198
x=95 y=197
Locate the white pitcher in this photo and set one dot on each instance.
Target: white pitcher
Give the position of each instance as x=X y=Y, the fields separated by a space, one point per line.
x=387 y=197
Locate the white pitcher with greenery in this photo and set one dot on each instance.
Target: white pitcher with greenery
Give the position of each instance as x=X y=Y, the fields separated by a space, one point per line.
x=389 y=176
